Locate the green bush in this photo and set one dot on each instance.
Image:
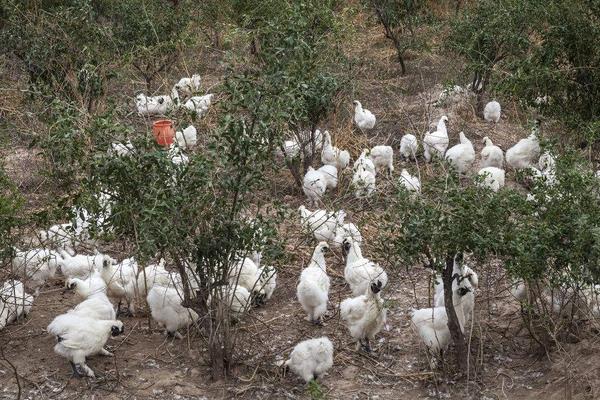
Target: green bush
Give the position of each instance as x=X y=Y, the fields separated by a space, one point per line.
x=195 y=214
x=445 y=220
x=558 y=230
x=295 y=75
x=553 y=240
x=490 y=32
x=147 y=35
x=73 y=138
x=63 y=46
x=11 y=203
x=562 y=67
x=70 y=48
x=551 y=64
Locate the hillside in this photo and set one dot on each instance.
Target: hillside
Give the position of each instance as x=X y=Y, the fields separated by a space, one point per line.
x=511 y=353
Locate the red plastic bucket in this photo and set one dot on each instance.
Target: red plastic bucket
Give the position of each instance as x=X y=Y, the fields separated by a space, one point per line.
x=164 y=132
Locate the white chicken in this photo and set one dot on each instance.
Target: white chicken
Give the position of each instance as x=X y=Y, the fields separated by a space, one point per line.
x=330 y=176
x=410 y=182
x=187 y=138
x=526 y=152
x=291 y=148
x=363 y=118
x=244 y=273
x=491 y=155
x=331 y=155
x=431 y=324
x=313 y=289
x=492 y=111
x=460 y=272
x=14 y=302
x=383 y=157
x=238 y=301
x=449 y=95
x=121 y=280
x=363 y=182
x=365 y=162
x=36 y=266
x=120 y=149
x=84 y=288
x=199 y=104
x=156 y=105
x=344 y=231
x=267 y=282
x=435 y=143
x=78 y=337
x=177 y=156
x=84 y=220
x=360 y=272
x=364 y=316
x=462 y=155
x=96 y=304
x=316 y=182
x=156 y=274
x=167 y=311
x=321 y=223
x=64 y=236
x=314 y=186
x=81 y=265
x=409 y=146
x=493 y=178
x=311 y=358
x=188 y=85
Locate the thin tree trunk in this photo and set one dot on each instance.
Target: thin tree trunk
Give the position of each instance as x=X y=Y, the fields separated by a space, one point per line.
x=484 y=83
x=214 y=325
x=400 y=58
x=148 y=80
x=453 y=325
x=254 y=47
x=295 y=173
x=393 y=37
x=216 y=38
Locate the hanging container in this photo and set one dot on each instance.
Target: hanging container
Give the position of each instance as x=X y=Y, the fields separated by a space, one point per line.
x=164 y=132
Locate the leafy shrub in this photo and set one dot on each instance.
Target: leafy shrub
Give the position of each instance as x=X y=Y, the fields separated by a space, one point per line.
x=63 y=47
x=197 y=215
x=490 y=32
x=561 y=69
x=551 y=64
x=148 y=34
x=446 y=220
x=552 y=241
x=10 y=219
x=295 y=58
x=73 y=138
x=556 y=249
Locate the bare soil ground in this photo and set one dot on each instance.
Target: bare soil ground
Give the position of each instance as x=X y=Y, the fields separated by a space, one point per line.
x=505 y=363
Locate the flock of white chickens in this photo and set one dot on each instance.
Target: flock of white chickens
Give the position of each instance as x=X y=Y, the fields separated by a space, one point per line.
x=99 y=280
x=365 y=314
x=523 y=155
